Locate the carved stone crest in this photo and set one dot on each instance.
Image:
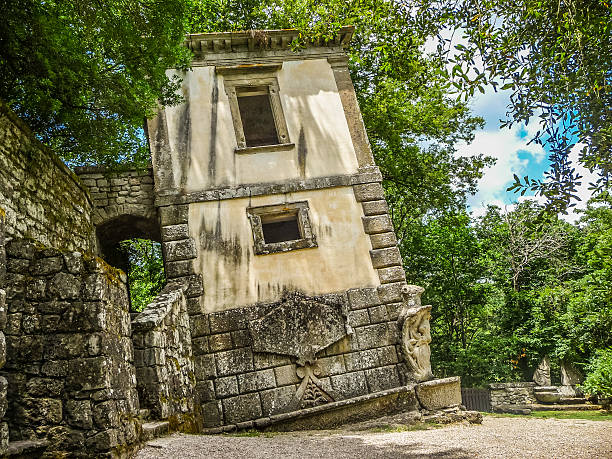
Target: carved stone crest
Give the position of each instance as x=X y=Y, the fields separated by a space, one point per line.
x=413 y=323
x=300 y=326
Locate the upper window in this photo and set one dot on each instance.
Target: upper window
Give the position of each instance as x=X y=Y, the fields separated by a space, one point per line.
x=257 y=113
x=281 y=228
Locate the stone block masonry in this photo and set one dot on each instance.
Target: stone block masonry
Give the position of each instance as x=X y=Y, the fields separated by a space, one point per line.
x=163 y=358
x=42 y=199
x=117 y=193
x=237 y=385
x=69 y=360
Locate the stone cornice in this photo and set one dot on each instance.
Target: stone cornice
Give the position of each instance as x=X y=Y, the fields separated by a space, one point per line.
x=227 y=48
x=365 y=175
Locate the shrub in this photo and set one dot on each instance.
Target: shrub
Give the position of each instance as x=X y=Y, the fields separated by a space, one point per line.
x=599 y=375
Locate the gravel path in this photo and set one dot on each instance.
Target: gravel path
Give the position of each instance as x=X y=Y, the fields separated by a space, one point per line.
x=497 y=437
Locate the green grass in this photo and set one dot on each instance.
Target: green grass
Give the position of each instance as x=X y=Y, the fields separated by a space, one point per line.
x=588 y=415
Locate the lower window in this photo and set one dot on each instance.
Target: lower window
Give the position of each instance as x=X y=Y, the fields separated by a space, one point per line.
x=281 y=228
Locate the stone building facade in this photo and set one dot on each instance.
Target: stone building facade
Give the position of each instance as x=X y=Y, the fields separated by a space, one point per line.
x=272 y=210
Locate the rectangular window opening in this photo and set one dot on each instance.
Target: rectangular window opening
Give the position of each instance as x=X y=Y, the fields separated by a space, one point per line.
x=257 y=117
x=281 y=228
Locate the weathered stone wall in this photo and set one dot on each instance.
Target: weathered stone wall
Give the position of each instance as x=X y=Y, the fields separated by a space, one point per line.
x=42 y=198
x=237 y=385
x=114 y=194
x=4 y=432
x=69 y=353
x=507 y=394
x=162 y=356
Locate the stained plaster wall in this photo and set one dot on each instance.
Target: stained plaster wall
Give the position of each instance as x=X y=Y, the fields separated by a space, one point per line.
x=234 y=276
x=201 y=138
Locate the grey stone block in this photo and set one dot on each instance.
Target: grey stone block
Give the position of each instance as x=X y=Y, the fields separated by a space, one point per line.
x=361 y=360
x=387 y=355
x=180 y=250
x=378 y=314
x=220 y=342
x=368 y=192
x=242 y=408
x=212 y=414
x=227 y=321
x=46 y=266
x=200 y=345
x=79 y=413
x=358 y=318
x=174 y=215
x=205 y=390
x=382 y=240
x=199 y=325
x=204 y=366
x=64 y=286
x=274 y=401
x=350 y=385
x=360 y=298
x=377 y=224
x=393 y=310
x=263 y=360
x=391 y=293
x=234 y=362
x=179 y=268
x=286 y=375
x=375 y=207
x=175 y=232
x=20 y=248
x=382 y=378
x=391 y=274
x=242 y=338
x=382 y=258
x=256 y=381
x=226 y=387
x=372 y=336
x=333 y=365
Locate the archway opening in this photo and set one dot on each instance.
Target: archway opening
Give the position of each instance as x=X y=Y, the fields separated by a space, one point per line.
x=132 y=243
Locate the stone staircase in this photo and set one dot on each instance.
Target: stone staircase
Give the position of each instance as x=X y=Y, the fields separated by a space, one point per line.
x=561 y=398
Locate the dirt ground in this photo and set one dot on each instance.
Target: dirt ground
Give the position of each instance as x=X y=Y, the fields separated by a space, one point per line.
x=497 y=437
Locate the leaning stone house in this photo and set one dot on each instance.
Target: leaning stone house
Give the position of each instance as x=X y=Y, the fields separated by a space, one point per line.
x=284 y=279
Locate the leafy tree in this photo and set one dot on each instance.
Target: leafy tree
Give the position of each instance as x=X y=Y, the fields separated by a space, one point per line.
x=84 y=75
x=556 y=59
x=146 y=271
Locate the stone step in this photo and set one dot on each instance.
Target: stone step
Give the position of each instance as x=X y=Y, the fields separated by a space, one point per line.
x=26 y=448
x=564 y=407
x=154 y=429
x=573 y=401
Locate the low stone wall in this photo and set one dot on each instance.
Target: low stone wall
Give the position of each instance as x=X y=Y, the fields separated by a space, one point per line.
x=43 y=200
x=504 y=395
x=69 y=364
x=236 y=384
x=162 y=356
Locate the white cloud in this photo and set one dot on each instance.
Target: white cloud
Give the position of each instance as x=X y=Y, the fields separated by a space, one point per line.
x=504 y=145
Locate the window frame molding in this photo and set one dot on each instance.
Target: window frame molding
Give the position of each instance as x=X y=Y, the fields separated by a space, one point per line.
x=307 y=241
x=237 y=77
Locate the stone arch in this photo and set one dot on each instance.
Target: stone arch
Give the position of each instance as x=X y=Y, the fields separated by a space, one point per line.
x=120 y=228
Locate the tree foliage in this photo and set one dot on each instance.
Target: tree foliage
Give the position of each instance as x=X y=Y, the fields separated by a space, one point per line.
x=84 y=75
x=555 y=57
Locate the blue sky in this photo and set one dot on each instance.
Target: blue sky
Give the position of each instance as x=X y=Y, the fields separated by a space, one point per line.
x=514 y=155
